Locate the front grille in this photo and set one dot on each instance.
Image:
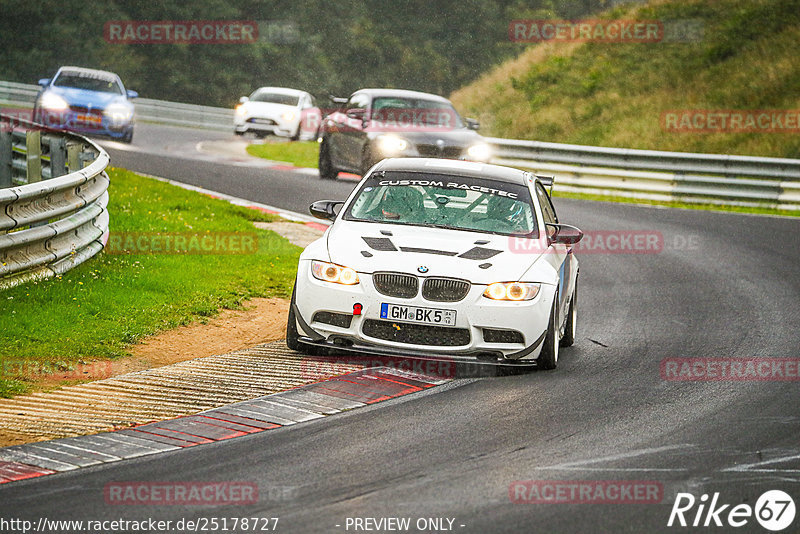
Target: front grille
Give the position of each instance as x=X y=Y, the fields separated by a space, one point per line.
x=404 y=286
x=416 y=334
x=445 y=289
x=452 y=152
x=491 y=335
x=433 y=151
x=255 y=120
x=85 y=109
x=429 y=151
x=341 y=320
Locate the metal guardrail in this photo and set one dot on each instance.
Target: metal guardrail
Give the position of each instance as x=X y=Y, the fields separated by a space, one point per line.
x=157 y=111
x=53 y=198
x=649 y=174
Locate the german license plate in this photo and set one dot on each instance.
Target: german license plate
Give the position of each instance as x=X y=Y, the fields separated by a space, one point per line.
x=415 y=314
x=89 y=119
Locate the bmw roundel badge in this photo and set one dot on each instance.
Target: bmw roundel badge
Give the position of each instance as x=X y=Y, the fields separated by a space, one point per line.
x=422 y=269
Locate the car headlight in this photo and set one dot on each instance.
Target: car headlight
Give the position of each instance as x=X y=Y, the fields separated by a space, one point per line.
x=330 y=272
x=512 y=291
x=479 y=152
x=240 y=110
x=391 y=144
x=288 y=115
x=118 y=112
x=53 y=102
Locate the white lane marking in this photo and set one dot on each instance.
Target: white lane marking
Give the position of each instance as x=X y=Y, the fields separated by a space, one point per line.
x=125 y=147
x=286 y=214
x=617 y=469
x=621 y=456
x=756 y=467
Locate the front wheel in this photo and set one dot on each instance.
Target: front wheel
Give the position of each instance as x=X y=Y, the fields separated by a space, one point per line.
x=548 y=358
x=570 y=328
x=366 y=160
x=326 y=169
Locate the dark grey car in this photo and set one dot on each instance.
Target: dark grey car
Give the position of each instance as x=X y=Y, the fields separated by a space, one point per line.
x=374 y=124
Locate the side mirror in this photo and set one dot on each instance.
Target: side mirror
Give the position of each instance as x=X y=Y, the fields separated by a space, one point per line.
x=325 y=209
x=243 y=99
x=132 y=94
x=357 y=113
x=44 y=82
x=563 y=234
x=473 y=124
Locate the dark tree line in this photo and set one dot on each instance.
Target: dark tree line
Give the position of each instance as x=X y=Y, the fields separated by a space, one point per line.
x=325 y=47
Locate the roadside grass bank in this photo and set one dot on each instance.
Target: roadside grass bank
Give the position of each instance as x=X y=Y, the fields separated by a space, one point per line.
x=298 y=153
x=173 y=257
x=728 y=55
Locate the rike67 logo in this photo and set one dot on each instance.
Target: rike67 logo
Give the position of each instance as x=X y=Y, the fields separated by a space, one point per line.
x=774 y=510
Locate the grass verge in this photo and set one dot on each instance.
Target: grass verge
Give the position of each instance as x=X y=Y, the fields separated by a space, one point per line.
x=298 y=153
x=97 y=309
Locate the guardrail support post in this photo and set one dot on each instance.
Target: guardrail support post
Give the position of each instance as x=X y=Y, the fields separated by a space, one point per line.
x=5 y=159
x=73 y=157
x=58 y=157
x=33 y=148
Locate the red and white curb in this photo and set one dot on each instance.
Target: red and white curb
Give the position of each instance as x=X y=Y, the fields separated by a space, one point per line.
x=313 y=401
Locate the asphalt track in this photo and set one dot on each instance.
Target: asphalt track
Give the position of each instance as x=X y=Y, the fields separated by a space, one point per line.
x=723 y=285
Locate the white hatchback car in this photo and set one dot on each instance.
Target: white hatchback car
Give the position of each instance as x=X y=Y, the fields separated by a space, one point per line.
x=441 y=259
x=278 y=111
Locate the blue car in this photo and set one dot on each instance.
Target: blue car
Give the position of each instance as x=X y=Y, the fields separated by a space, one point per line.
x=86 y=101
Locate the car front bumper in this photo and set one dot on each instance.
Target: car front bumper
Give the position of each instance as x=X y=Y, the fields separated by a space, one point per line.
x=476 y=317
x=272 y=125
x=87 y=123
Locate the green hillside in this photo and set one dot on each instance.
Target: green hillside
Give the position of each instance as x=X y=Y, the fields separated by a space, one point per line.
x=614 y=94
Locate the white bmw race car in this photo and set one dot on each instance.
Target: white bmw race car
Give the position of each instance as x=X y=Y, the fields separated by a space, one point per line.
x=440 y=259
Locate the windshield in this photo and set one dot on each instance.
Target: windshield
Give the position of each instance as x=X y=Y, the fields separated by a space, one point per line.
x=445 y=201
x=275 y=98
x=88 y=82
x=417 y=111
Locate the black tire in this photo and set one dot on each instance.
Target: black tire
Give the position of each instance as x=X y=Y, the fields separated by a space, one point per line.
x=326 y=169
x=127 y=138
x=570 y=329
x=548 y=358
x=296 y=135
x=237 y=132
x=366 y=160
